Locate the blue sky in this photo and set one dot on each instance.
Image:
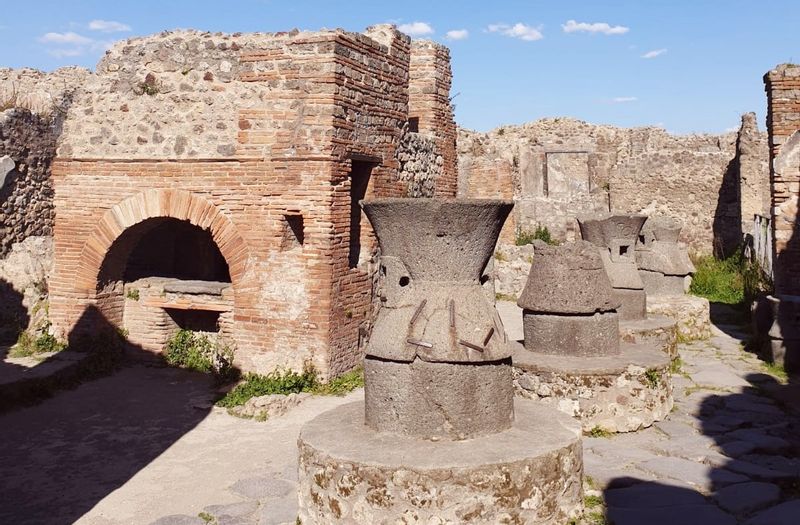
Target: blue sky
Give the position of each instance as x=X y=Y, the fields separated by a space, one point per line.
x=513 y=61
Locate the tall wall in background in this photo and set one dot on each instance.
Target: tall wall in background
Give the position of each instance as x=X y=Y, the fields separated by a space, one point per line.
x=556 y=169
x=782 y=86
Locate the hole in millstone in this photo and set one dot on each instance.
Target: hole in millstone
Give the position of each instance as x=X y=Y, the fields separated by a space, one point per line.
x=404 y=281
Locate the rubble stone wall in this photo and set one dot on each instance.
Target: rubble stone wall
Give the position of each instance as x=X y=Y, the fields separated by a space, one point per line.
x=558 y=168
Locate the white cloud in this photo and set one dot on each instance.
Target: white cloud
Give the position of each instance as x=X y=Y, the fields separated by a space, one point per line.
x=654 y=53
x=65 y=38
x=62 y=45
x=416 y=29
x=518 y=30
x=67 y=52
x=457 y=34
x=108 y=26
x=596 y=27
x=622 y=100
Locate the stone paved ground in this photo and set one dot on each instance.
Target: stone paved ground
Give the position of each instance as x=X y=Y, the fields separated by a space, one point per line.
x=727 y=454
x=144 y=446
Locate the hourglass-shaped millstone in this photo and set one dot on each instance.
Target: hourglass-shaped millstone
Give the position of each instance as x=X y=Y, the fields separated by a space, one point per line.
x=437 y=363
x=568 y=305
x=615 y=236
x=664 y=264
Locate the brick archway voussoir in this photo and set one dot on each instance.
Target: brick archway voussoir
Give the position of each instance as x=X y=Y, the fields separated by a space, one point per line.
x=153 y=203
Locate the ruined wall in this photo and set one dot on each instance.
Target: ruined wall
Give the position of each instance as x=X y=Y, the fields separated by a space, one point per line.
x=29 y=128
x=247 y=136
x=27 y=147
x=429 y=102
x=782 y=85
x=556 y=169
x=420 y=164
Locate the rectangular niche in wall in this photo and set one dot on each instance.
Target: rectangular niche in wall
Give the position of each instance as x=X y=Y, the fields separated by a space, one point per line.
x=567 y=174
x=293 y=232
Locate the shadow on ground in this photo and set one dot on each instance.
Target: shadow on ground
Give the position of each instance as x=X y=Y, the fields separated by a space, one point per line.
x=61 y=457
x=754 y=479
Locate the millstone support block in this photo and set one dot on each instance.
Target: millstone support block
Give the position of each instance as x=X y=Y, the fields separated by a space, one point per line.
x=691 y=313
x=530 y=473
x=575 y=335
x=621 y=393
x=438 y=400
x=656 y=284
x=657 y=331
x=634 y=303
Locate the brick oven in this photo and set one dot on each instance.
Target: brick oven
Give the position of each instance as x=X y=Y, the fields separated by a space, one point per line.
x=211 y=182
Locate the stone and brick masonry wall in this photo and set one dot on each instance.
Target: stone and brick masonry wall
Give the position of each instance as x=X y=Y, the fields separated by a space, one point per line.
x=558 y=168
x=234 y=133
x=782 y=85
x=429 y=101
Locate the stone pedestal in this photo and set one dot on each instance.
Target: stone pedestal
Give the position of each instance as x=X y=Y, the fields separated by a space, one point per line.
x=620 y=393
x=529 y=473
x=692 y=314
x=659 y=332
x=782 y=342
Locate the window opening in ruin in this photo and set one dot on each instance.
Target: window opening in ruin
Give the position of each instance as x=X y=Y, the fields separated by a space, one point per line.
x=359 y=182
x=195 y=320
x=293 y=232
x=413 y=124
x=623 y=250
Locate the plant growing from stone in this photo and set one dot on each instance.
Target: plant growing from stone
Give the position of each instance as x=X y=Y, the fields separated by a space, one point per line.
x=198 y=351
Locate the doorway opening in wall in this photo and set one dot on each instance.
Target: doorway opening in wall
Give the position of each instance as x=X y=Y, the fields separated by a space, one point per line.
x=360 y=174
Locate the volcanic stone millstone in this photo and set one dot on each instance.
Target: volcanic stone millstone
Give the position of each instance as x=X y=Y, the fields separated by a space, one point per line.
x=450 y=401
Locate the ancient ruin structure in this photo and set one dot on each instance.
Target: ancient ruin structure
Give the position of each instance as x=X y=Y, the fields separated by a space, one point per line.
x=782 y=342
x=558 y=168
x=666 y=272
x=572 y=357
x=439 y=436
x=663 y=263
x=211 y=182
x=615 y=237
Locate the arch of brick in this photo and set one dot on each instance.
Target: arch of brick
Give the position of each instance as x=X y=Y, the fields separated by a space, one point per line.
x=153 y=203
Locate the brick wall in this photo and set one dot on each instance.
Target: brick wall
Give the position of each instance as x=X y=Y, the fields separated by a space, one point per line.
x=782 y=86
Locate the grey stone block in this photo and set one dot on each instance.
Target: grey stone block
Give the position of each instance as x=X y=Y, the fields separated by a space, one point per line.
x=578 y=335
x=438 y=400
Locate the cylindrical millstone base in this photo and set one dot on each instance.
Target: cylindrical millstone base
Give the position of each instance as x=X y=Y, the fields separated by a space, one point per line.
x=634 y=303
x=350 y=474
x=620 y=393
x=657 y=330
x=443 y=401
x=577 y=335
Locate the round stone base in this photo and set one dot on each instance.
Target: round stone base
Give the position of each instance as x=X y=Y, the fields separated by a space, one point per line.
x=691 y=313
x=530 y=473
x=661 y=332
x=617 y=394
